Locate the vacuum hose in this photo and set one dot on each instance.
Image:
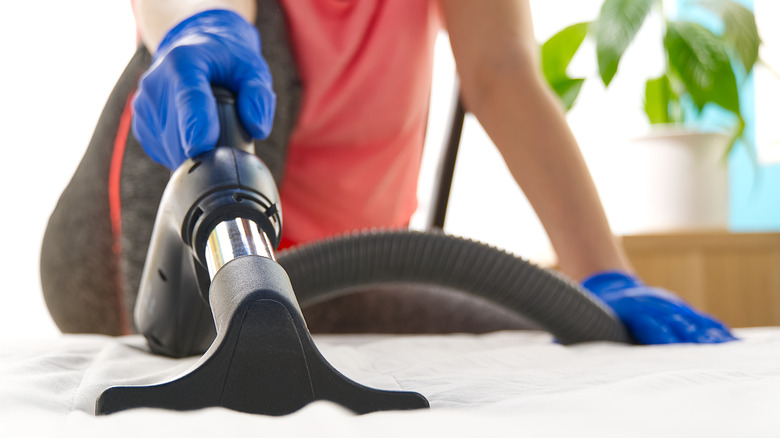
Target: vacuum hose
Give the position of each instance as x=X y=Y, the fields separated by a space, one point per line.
x=366 y=260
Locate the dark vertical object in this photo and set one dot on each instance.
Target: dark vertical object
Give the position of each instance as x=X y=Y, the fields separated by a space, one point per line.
x=277 y=51
x=446 y=168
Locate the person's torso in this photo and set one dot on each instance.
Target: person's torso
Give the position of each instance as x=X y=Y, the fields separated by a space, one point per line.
x=354 y=156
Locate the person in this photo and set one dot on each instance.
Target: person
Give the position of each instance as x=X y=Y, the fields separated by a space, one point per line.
x=351 y=143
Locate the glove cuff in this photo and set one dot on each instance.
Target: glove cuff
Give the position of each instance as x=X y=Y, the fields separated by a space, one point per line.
x=606 y=281
x=202 y=21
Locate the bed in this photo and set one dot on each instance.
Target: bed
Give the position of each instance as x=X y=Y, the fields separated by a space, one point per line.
x=503 y=383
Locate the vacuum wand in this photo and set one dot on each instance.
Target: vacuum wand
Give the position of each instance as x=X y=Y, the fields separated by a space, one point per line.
x=215 y=233
x=235 y=238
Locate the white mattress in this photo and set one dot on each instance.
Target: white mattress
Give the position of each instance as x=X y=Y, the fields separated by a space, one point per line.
x=499 y=384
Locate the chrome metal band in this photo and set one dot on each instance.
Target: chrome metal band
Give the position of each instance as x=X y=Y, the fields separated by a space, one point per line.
x=235 y=238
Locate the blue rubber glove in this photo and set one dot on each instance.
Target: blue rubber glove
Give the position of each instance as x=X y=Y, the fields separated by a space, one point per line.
x=654 y=315
x=175 y=111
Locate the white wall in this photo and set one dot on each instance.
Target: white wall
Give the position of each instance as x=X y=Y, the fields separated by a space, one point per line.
x=767 y=82
x=61 y=60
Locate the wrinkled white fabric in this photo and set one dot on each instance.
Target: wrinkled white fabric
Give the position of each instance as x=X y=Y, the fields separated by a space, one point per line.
x=499 y=384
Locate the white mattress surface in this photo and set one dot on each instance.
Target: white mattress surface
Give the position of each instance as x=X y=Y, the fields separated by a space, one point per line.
x=499 y=384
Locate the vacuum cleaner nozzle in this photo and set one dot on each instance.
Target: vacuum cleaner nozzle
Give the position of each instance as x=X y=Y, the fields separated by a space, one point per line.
x=218 y=224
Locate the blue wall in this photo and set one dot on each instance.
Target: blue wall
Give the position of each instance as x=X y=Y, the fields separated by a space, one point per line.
x=754 y=198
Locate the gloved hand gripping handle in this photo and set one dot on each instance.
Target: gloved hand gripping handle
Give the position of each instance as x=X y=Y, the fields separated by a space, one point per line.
x=226 y=184
x=219 y=222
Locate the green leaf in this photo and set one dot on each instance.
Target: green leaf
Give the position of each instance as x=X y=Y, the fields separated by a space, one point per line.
x=556 y=55
x=558 y=51
x=616 y=27
x=698 y=58
x=740 y=30
x=568 y=90
x=658 y=96
x=736 y=134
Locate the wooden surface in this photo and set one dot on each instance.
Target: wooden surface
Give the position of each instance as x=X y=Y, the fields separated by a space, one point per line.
x=733 y=276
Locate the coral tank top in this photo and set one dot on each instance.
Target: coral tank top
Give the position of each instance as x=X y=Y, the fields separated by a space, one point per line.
x=355 y=153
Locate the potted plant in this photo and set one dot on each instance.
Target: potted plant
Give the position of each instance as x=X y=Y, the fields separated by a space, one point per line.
x=702 y=69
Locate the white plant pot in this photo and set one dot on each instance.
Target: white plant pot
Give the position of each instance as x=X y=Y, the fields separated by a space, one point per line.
x=679 y=181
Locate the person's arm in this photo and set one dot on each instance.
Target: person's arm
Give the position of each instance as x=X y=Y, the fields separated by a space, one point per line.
x=156 y=17
x=495 y=51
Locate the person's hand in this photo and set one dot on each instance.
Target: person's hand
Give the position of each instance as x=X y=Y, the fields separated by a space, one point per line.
x=175 y=111
x=653 y=315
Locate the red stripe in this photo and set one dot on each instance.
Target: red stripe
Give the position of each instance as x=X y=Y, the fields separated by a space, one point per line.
x=284 y=244
x=115 y=207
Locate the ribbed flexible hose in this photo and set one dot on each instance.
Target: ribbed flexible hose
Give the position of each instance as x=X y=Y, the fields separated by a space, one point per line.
x=333 y=267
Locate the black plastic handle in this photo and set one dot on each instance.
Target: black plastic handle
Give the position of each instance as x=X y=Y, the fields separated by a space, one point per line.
x=217 y=185
x=231 y=130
